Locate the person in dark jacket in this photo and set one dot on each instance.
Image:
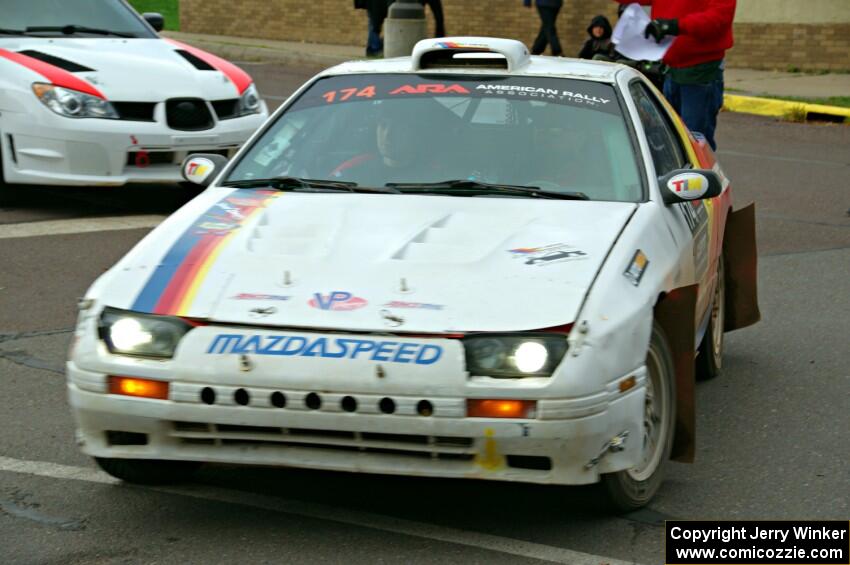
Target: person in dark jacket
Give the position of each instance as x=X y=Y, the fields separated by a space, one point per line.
x=439 y=20
x=599 y=43
x=377 y=12
x=703 y=32
x=548 y=11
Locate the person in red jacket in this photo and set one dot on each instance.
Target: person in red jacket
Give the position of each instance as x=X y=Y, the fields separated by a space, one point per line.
x=703 y=31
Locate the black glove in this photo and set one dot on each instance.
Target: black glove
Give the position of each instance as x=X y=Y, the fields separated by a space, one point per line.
x=661 y=28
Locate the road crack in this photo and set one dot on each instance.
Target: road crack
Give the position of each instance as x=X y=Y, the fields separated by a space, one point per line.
x=21 y=357
x=14 y=336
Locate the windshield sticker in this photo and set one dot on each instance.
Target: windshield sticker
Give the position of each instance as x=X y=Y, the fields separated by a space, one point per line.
x=326 y=347
x=429 y=89
x=552 y=94
x=337 y=301
x=413 y=305
x=637 y=267
x=548 y=254
x=338 y=90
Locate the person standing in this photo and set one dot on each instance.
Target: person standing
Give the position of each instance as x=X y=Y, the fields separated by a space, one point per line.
x=548 y=11
x=439 y=20
x=703 y=33
x=599 y=42
x=377 y=13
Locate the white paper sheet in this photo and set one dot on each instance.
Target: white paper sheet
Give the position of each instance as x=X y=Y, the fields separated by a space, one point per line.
x=629 y=39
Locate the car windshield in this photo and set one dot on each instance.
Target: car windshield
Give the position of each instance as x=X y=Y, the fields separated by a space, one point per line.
x=559 y=135
x=80 y=18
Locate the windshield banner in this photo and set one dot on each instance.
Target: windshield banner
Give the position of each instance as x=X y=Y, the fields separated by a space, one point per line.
x=358 y=88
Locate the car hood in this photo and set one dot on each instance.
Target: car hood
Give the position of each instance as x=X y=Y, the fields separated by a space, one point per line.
x=410 y=263
x=136 y=70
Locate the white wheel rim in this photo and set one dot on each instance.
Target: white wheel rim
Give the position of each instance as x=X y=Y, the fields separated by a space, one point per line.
x=655 y=421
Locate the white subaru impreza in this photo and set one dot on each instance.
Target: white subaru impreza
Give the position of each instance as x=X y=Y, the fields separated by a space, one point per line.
x=91 y=95
x=467 y=263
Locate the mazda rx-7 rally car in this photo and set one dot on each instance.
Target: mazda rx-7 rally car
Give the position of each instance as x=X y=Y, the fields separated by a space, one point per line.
x=466 y=263
x=91 y=95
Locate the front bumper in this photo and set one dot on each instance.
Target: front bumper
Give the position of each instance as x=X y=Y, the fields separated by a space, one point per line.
x=556 y=447
x=39 y=147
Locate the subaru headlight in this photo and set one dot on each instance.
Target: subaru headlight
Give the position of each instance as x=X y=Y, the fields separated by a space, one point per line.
x=141 y=335
x=250 y=101
x=73 y=103
x=514 y=355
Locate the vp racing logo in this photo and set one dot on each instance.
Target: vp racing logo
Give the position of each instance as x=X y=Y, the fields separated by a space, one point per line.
x=338 y=301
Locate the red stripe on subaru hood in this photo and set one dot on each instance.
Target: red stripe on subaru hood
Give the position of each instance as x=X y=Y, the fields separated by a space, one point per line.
x=53 y=74
x=240 y=79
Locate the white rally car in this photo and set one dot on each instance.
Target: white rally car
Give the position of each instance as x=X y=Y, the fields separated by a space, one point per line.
x=91 y=95
x=467 y=263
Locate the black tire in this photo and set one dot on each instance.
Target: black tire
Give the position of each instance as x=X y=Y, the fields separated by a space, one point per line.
x=633 y=488
x=148 y=471
x=709 y=361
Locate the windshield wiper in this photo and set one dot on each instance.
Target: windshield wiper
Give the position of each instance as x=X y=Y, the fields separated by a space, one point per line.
x=12 y=31
x=532 y=191
x=72 y=29
x=307 y=185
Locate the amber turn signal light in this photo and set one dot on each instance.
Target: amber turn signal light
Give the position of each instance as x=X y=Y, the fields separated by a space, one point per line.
x=476 y=408
x=132 y=386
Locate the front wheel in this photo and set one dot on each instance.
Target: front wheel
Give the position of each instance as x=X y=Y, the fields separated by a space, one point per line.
x=632 y=488
x=148 y=471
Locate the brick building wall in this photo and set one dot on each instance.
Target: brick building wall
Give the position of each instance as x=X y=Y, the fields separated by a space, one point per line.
x=761 y=46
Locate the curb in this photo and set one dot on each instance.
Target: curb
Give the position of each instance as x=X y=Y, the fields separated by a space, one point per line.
x=784 y=108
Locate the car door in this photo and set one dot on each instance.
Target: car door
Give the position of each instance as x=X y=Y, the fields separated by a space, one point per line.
x=689 y=221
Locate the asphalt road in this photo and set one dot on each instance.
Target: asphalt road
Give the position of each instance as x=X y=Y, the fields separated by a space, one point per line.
x=772 y=430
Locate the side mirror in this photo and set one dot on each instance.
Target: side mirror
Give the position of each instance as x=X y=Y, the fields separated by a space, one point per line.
x=202 y=168
x=686 y=185
x=155 y=20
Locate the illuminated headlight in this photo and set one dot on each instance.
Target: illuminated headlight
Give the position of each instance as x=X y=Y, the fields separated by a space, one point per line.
x=250 y=101
x=514 y=356
x=141 y=335
x=72 y=103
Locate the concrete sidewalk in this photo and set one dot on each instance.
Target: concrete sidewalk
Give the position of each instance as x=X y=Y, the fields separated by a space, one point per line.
x=746 y=82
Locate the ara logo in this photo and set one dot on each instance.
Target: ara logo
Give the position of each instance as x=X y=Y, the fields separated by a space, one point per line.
x=337 y=300
x=688 y=185
x=430 y=88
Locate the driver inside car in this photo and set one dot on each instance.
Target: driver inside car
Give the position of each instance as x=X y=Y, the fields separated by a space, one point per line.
x=402 y=153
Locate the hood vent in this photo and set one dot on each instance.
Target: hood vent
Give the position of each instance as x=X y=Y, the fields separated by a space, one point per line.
x=69 y=66
x=199 y=64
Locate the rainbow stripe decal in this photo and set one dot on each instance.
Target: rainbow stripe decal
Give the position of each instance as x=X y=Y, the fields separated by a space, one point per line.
x=174 y=284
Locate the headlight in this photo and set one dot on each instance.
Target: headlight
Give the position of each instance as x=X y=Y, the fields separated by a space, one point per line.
x=72 y=103
x=250 y=101
x=142 y=335
x=514 y=355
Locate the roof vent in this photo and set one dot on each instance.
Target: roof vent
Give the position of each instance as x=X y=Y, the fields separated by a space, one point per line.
x=64 y=64
x=470 y=52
